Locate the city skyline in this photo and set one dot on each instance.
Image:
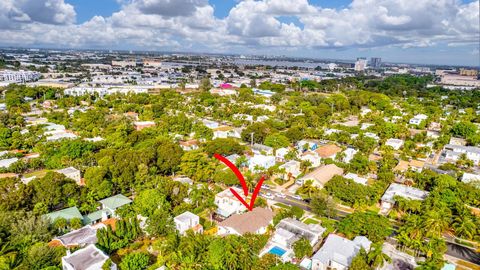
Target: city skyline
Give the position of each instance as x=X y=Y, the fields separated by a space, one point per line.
x=429 y=32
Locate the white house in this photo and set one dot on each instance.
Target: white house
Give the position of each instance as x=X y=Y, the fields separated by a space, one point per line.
x=88 y=258
x=287 y=232
x=453 y=152
x=71 y=173
x=188 y=221
x=388 y=198
x=292 y=169
x=338 y=252
x=280 y=154
x=260 y=149
x=349 y=153
x=5 y=163
x=260 y=161
x=417 y=119
x=228 y=204
x=395 y=143
x=226 y=132
x=255 y=222
x=470 y=177
x=312 y=157
x=356 y=178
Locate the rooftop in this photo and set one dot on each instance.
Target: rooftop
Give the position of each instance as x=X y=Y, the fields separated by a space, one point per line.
x=67 y=213
x=115 y=202
x=340 y=250
x=404 y=191
x=249 y=222
x=84 y=235
x=88 y=258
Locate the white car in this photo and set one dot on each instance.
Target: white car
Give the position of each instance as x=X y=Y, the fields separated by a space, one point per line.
x=281 y=195
x=297 y=197
x=268 y=195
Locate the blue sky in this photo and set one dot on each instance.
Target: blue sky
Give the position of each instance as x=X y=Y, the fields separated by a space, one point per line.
x=430 y=31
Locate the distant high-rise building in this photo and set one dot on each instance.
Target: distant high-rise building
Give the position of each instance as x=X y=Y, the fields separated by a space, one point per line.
x=361 y=64
x=375 y=62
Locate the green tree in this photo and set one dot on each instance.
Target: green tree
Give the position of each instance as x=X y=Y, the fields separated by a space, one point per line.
x=375 y=227
x=223 y=146
x=464 y=129
x=359 y=262
x=169 y=155
x=277 y=140
x=76 y=223
x=376 y=258
x=135 y=261
x=302 y=248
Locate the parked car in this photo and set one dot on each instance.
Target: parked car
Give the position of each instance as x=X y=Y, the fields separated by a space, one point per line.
x=297 y=197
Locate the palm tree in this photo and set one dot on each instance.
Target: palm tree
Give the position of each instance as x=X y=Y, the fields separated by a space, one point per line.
x=308 y=188
x=376 y=258
x=304 y=165
x=464 y=226
x=437 y=222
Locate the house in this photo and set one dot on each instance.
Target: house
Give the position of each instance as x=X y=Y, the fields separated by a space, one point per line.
x=107 y=209
x=255 y=222
x=61 y=136
x=349 y=154
x=6 y=163
x=183 y=179
x=259 y=162
x=225 y=132
x=292 y=169
x=372 y=135
x=338 y=252
x=88 y=258
x=260 y=149
x=417 y=119
x=395 y=143
x=264 y=93
x=188 y=221
x=470 y=177
x=414 y=165
x=328 y=151
x=210 y=124
x=398 y=260
x=114 y=202
x=189 y=145
x=228 y=204
x=139 y=125
x=287 y=232
x=280 y=154
x=411 y=193
x=71 y=173
x=67 y=213
x=312 y=157
x=453 y=152
x=81 y=237
x=321 y=175
x=356 y=178
x=305 y=145
x=365 y=126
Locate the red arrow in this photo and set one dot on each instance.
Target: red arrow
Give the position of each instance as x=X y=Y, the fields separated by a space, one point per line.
x=242 y=181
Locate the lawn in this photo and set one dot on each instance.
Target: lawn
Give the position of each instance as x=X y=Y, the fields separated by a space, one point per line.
x=311 y=221
x=282 y=205
x=38 y=174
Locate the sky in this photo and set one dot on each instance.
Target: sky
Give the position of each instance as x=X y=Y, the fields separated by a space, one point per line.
x=408 y=31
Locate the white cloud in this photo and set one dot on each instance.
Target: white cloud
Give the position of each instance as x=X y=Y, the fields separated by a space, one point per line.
x=180 y=24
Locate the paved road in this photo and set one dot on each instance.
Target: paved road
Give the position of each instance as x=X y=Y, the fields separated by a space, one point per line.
x=453 y=249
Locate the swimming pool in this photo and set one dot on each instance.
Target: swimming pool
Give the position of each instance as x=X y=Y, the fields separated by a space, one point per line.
x=277 y=251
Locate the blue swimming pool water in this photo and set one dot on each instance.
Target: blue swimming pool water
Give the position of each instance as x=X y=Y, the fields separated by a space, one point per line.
x=277 y=251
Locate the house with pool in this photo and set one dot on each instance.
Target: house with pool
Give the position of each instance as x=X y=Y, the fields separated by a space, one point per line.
x=287 y=232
